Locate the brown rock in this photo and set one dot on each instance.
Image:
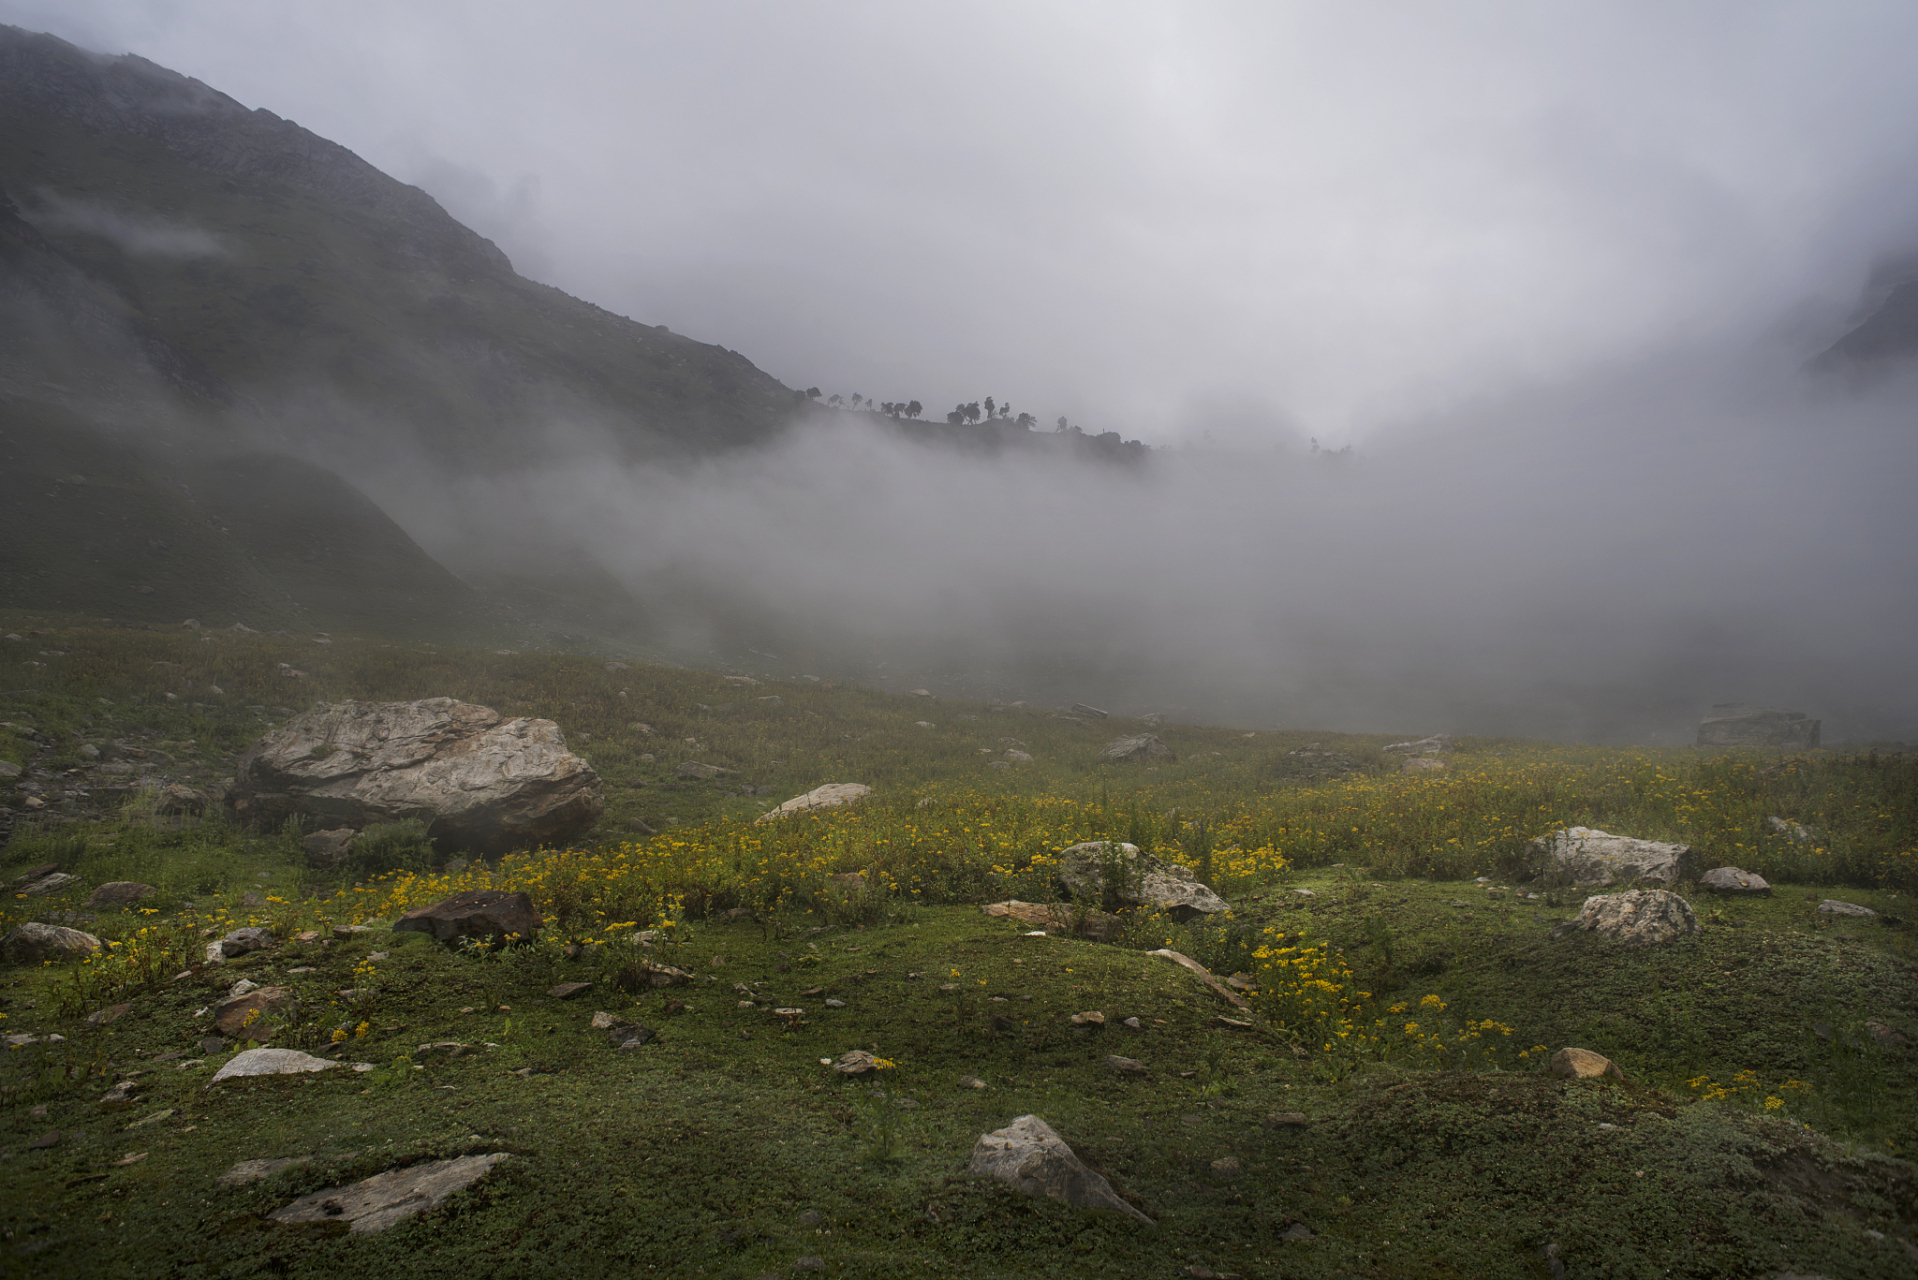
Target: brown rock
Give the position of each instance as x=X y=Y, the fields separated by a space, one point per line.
x=257 y=1014
x=1583 y=1064
x=176 y=800
x=567 y=990
x=327 y=850
x=477 y=913
x=117 y=893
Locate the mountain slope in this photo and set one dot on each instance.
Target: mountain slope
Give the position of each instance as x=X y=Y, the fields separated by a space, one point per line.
x=346 y=306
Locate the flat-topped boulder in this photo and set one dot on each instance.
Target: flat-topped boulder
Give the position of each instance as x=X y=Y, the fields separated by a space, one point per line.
x=1740 y=724
x=479 y=782
x=1731 y=880
x=1138 y=879
x=830 y=796
x=477 y=913
x=32 y=942
x=1587 y=858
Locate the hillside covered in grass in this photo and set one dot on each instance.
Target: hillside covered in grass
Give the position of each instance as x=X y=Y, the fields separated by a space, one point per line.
x=1378 y=1106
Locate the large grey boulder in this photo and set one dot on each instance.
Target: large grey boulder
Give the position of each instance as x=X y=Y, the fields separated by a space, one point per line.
x=479 y=782
x=1138 y=748
x=1739 y=724
x=327 y=850
x=32 y=942
x=117 y=893
x=1030 y=1158
x=376 y=1203
x=1637 y=918
x=1143 y=880
x=1591 y=859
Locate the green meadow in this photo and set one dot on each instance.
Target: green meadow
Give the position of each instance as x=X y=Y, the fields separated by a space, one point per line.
x=1379 y=1106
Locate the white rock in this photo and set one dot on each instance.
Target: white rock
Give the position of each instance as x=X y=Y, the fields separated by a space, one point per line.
x=830 y=796
x=1638 y=917
x=270 y=1062
x=1833 y=907
x=1592 y=859
x=1732 y=880
x=386 y=1198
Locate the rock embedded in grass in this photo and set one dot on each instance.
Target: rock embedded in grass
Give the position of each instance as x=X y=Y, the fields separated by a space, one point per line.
x=256 y=1170
x=33 y=942
x=1146 y=881
x=1586 y=858
x=1033 y=1160
x=1833 y=907
x=1733 y=881
x=1126 y=1066
x=1637 y=917
x=1136 y=749
x=1583 y=1064
x=242 y=941
x=477 y=913
x=378 y=1202
x=270 y=1062
x=829 y=796
x=256 y=1014
x=117 y=893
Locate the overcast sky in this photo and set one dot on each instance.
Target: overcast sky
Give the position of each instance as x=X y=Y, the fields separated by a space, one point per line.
x=1263 y=220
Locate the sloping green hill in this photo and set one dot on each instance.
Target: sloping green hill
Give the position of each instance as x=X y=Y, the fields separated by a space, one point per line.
x=282 y=263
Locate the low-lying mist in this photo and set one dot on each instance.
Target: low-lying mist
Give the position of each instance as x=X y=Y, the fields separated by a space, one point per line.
x=1597 y=563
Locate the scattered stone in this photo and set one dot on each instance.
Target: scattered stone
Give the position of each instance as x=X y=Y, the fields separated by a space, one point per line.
x=1738 y=724
x=100 y=1017
x=327 y=850
x=1791 y=830
x=479 y=782
x=1296 y=1233
x=477 y=913
x=1019 y=757
x=663 y=975
x=1146 y=880
x=835 y=1004
x=1137 y=749
x=117 y=893
x=1127 y=1066
x=1732 y=880
x=601 y=1020
x=1204 y=975
x=45 y=1141
x=1091 y=1018
x=1133 y=1024
x=629 y=1035
x=241 y=941
x=1226 y=1169
x=120 y=1094
x=856 y=1063
x=270 y=1062
x=1287 y=1120
x=1584 y=858
x=32 y=942
x=213 y=1044
x=1583 y=1064
x=1029 y=1157
x=1100 y=926
x=567 y=990
x=830 y=796
x=255 y=1015
x=1885 y=1035
x=1081 y=709
x=345 y=932
x=1638 y=917
x=971 y=1082
x=177 y=799
x=694 y=771
x=51 y=883
x=1833 y=907
x=256 y=1170
x=1424 y=746
x=386 y=1198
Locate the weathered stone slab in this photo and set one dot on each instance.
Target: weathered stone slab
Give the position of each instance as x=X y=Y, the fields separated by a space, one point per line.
x=1733 y=881
x=117 y=893
x=270 y=1062
x=1583 y=1064
x=1136 y=749
x=386 y=1198
x=1033 y=1160
x=255 y=1014
x=1145 y=881
x=830 y=796
x=32 y=942
x=1833 y=907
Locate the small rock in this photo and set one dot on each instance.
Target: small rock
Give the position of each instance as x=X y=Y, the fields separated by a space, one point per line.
x=120 y=1094
x=1133 y=1024
x=51 y=883
x=242 y=941
x=101 y=1017
x=1287 y=1120
x=1091 y=1018
x=1138 y=748
x=1583 y=857
x=1583 y=1064
x=856 y=1063
x=835 y=1004
x=1227 y=1168
x=1833 y=907
x=1639 y=917
x=832 y=795
x=567 y=990
x=255 y=1170
x=1126 y=1066
x=270 y=1062
x=1296 y=1233
x=477 y=913
x=32 y=942
x=1732 y=880
x=629 y=1035
x=44 y=1141
x=327 y=850
x=343 y=932
x=971 y=1082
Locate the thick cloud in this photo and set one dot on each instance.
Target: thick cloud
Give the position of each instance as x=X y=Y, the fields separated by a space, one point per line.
x=1156 y=219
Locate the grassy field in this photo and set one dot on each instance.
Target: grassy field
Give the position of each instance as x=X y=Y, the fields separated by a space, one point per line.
x=1405 y=1000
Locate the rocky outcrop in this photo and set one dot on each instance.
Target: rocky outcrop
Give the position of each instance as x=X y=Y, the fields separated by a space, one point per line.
x=477 y=913
x=478 y=782
x=1136 y=749
x=32 y=942
x=1739 y=724
x=1030 y=1158
x=1590 y=859
x=1140 y=880
x=830 y=796
x=1637 y=918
